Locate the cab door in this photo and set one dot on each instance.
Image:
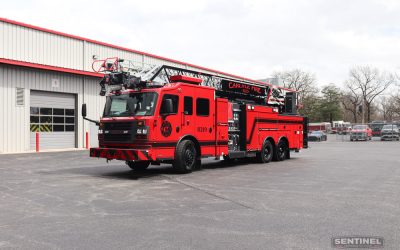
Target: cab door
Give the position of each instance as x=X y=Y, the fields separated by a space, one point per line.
x=168 y=124
x=205 y=120
x=188 y=119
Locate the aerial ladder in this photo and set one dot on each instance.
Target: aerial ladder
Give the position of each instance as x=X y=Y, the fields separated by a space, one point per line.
x=120 y=74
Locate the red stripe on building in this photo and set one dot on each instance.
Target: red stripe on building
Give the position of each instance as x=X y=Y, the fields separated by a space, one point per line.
x=47 y=67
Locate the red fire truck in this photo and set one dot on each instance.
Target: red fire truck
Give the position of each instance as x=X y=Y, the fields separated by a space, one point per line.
x=171 y=115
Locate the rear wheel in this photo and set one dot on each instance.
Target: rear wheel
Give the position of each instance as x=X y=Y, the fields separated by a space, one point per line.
x=185 y=157
x=266 y=154
x=138 y=165
x=281 y=151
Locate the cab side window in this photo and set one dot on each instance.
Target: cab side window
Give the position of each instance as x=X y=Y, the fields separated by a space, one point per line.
x=202 y=107
x=188 y=105
x=175 y=103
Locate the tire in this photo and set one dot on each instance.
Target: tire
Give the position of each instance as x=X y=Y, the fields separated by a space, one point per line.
x=351 y=139
x=185 y=157
x=281 y=151
x=266 y=154
x=138 y=165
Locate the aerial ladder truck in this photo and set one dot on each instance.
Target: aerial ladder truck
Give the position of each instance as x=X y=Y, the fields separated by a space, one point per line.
x=167 y=114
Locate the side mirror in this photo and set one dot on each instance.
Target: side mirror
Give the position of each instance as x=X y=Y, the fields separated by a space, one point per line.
x=84 y=112
x=168 y=107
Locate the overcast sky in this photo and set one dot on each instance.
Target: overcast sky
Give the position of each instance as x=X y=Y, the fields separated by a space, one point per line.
x=247 y=38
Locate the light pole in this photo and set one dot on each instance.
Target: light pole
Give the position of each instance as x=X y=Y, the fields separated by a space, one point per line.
x=363 y=111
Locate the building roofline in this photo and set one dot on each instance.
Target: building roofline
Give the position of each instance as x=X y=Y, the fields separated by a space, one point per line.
x=47 y=67
x=117 y=47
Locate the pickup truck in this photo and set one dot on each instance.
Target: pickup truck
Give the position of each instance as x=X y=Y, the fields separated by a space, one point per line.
x=360 y=132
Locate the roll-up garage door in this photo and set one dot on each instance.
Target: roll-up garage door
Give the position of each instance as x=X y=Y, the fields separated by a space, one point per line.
x=53 y=115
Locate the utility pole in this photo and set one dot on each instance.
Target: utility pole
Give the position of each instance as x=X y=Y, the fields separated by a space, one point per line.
x=363 y=111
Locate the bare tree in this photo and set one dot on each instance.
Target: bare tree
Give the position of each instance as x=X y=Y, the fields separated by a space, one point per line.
x=387 y=108
x=299 y=80
x=394 y=108
x=368 y=83
x=350 y=102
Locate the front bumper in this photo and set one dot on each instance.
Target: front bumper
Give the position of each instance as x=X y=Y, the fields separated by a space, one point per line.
x=389 y=136
x=121 y=154
x=358 y=137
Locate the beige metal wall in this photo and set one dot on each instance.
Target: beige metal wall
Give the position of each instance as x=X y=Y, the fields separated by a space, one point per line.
x=34 y=46
x=29 y=45
x=14 y=120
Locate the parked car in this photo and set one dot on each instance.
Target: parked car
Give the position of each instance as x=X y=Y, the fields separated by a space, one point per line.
x=390 y=132
x=360 y=132
x=317 y=135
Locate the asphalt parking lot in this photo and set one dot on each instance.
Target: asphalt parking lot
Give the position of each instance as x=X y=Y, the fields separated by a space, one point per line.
x=67 y=200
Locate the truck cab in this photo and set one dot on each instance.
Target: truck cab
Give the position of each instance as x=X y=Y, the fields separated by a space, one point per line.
x=147 y=124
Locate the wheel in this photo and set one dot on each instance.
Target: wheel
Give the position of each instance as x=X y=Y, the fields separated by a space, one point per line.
x=351 y=139
x=281 y=151
x=138 y=165
x=185 y=157
x=266 y=154
x=370 y=138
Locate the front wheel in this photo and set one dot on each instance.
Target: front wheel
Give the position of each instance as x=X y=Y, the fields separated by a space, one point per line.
x=185 y=157
x=138 y=165
x=266 y=154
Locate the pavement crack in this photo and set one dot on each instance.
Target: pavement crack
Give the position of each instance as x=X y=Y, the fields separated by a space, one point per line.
x=209 y=192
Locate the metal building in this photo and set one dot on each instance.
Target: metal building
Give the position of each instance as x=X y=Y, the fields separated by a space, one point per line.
x=45 y=76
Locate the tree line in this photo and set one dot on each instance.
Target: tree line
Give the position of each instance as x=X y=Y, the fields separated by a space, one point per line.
x=368 y=94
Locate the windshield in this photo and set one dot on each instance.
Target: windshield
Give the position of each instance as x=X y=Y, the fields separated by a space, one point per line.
x=316 y=132
x=360 y=127
x=376 y=127
x=389 y=127
x=133 y=104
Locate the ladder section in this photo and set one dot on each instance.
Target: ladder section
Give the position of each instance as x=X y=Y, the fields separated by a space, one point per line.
x=120 y=73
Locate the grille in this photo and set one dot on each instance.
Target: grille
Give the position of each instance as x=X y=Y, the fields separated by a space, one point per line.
x=118 y=125
x=115 y=131
x=118 y=138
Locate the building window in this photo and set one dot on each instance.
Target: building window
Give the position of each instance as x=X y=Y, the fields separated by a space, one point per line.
x=188 y=105
x=52 y=120
x=202 y=107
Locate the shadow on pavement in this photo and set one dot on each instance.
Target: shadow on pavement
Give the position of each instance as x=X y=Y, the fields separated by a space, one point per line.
x=123 y=172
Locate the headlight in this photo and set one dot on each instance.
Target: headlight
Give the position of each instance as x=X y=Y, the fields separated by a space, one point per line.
x=100 y=131
x=142 y=130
